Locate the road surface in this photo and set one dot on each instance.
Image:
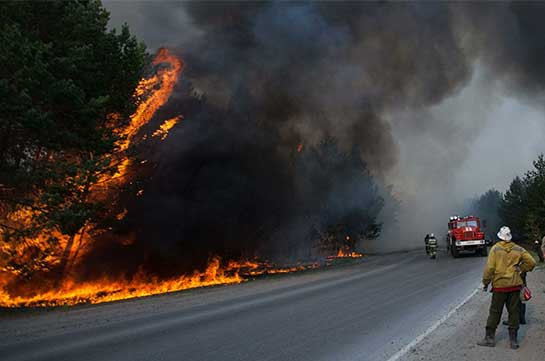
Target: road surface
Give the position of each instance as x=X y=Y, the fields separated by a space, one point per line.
x=366 y=311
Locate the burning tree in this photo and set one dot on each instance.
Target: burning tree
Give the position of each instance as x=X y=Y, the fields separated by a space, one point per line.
x=74 y=112
x=67 y=83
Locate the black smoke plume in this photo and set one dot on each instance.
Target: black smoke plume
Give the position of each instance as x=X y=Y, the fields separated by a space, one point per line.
x=265 y=79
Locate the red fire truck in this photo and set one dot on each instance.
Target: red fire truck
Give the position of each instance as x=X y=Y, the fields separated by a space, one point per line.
x=464 y=234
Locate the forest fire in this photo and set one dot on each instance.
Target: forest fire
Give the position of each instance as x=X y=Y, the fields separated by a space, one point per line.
x=141 y=285
x=72 y=293
x=153 y=93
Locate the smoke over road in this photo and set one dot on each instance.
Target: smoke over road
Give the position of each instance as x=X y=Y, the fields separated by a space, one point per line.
x=417 y=88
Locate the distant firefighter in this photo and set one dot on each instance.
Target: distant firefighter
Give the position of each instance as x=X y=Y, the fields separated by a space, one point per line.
x=431 y=245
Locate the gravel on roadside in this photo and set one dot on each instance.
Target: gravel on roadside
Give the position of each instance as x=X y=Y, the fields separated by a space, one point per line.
x=456 y=338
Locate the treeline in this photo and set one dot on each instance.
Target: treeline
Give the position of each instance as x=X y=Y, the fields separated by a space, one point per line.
x=522 y=207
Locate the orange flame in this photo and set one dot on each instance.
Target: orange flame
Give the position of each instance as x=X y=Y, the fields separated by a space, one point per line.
x=165 y=127
x=346 y=254
x=158 y=89
x=106 y=290
x=141 y=285
x=160 y=86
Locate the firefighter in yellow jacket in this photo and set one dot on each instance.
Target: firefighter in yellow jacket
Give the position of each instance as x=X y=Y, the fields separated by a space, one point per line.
x=503 y=269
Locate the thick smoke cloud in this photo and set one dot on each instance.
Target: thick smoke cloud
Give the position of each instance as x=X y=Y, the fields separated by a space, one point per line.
x=507 y=38
x=332 y=68
x=412 y=85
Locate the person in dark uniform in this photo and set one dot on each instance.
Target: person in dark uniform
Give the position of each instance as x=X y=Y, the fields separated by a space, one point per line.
x=543 y=247
x=538 y=249
x=427 y=241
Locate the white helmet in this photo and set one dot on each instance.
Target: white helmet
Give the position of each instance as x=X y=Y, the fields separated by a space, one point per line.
x=505 y=234
x=431 y=235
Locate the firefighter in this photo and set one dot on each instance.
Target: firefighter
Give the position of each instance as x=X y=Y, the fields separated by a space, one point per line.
x=427 y=241
x=506 y=261
x=432 y=246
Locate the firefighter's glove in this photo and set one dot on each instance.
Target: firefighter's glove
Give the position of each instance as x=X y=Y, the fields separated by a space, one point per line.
x=485 y=288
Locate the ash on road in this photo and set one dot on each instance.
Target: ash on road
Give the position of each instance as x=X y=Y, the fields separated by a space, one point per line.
x=367 y=311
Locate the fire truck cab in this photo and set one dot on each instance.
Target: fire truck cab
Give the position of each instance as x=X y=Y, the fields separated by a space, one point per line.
x=464 y=234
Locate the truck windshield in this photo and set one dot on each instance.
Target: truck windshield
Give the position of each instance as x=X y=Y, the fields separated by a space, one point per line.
x=466 y=224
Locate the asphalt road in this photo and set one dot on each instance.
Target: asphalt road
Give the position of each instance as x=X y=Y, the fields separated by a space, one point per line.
x=366 y=311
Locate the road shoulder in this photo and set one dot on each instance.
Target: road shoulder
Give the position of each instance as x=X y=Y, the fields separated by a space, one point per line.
x=455 y=339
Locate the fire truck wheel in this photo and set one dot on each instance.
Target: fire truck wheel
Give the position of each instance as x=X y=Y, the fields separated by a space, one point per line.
x=483 y=252
x=454 y=252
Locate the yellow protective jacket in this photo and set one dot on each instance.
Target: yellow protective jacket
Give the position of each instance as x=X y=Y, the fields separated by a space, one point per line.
x=502 y=263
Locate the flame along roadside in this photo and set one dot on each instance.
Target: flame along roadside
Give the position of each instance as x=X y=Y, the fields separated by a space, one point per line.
x=154 y=92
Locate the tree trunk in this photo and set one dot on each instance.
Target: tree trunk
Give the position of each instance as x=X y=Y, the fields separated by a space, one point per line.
x=78 y=248
x=64 y=261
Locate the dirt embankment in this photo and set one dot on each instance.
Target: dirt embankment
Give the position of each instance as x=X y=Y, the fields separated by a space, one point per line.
x=456 y=338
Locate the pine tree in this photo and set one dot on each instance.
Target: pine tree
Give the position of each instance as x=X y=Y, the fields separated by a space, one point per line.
x=535 y=198
x=513 y=209
x=64 y=79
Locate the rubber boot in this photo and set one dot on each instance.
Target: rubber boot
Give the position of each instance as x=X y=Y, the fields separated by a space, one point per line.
x=513 y=338
x=489 y=338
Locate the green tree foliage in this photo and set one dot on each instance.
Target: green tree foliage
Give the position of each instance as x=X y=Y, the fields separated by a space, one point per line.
x=513 y=209
x=487 y=208
x=534 y=181
x=523 y=205
x=342 y=196
x=63 y=78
